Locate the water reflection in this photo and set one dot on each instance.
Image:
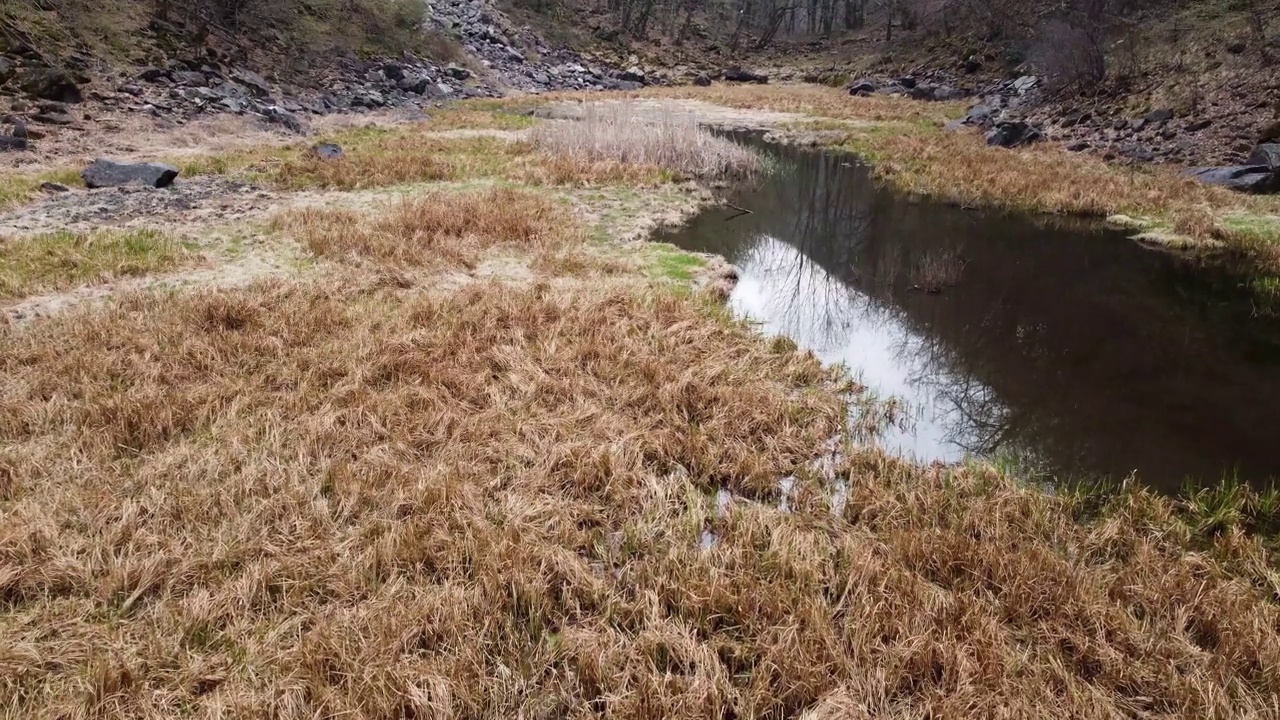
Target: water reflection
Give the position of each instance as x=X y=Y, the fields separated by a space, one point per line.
x=1066 y=347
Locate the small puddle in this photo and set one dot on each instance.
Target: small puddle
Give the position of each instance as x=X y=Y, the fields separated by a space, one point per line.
x=1065 y=349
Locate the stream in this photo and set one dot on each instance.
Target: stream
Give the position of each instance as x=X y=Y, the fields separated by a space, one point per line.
x=1059 y=346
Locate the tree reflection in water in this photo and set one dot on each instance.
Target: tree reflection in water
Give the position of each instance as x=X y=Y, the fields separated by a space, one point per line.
x=1062 y=346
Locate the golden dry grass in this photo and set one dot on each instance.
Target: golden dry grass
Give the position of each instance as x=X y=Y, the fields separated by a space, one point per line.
x=31 y=264
x=338 y=500
x=439 y=229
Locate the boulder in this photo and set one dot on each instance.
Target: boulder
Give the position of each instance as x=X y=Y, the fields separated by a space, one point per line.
x=907 y=82
x=53 y=118
x=1266 y=154
x=862 y=87
x=1024 y=84
x=153 y=75
x=702 y=80
x=634 y=74
x=1013 y=134
x=1158 y=116
x=327 y=151
x=109 y=173
x=1079 y=146
x=51 y=84
x=393 y=71
x=1244 y=178
x=735 y=73
x=457 y=72
x=1270 y=134
x=190 y=77
x=8 y=144
x=1198 y=125
x=255 y=83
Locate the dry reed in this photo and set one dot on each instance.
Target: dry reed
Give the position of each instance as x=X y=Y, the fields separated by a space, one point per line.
x=618 y=133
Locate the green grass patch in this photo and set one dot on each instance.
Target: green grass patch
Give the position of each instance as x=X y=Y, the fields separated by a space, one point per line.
x=670 y=263
x=62 y=260
x=20 y=188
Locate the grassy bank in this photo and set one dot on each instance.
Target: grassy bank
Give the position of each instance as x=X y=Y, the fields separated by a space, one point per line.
x=485 y=459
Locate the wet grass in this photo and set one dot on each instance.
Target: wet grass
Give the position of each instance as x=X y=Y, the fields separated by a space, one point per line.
x=62 y=260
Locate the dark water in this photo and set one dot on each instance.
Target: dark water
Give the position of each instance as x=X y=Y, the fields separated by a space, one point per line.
x=1068 y=349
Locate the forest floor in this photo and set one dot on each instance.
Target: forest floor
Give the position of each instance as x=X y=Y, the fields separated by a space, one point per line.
x=434 y=431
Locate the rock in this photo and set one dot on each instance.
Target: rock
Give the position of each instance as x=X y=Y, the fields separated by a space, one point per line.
x=1244 y=178
x=1235 y=48
x=19 y=128
x=8 y=144
x=735 y=73
x=634 y=74
x=393 y=71
x=1198 y=125
x=418 y=86
x=1270 y=133
x=702 y=80
x=108 y=173
x=1079 y=146
x=979 y=116
x=53 y=118
x=907 y=82
x=6 y=70
x=190 y=77
x=1013 y=134
x=279 y=116
x=1025 y=84
x=131 y=89
x=862 y=87
x=1158 y=116
x=255 y=83
x=971 y=65
x=53 y=187
x=457 y=72
x=1266 y=154
x=943 y=93
x=327 y=151
x=623 y=85
x=153 y=75
x=51 y=84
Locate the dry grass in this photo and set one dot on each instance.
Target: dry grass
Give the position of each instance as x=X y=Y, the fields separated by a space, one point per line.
x=383 y=157
x=937 y=270
x=439 y=230
x=616 y=133
x=32 y=264
x=330 y=500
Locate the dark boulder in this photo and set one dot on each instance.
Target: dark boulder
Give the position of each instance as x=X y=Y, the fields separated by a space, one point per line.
x=702 y=80
x=738 y=74
x=1013 y=134
x=327 y=151
x=862 y=87
x=1079 y=146
x=1158 y=116
x=53 y=118
x=633 y=74
x=190 y=77
x=1198 y=125
x=907 y=82
x=393 y=71
x=153 y=75
x=256 y=84
x=109 y=173
x=979 y=116
x=1244 y=178
x=8 y=144
x=51 y=84
x=1266 y=154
